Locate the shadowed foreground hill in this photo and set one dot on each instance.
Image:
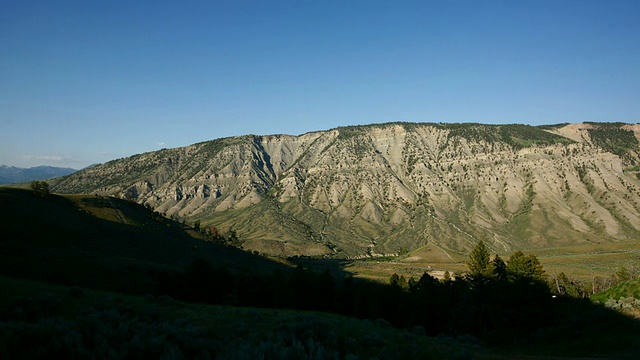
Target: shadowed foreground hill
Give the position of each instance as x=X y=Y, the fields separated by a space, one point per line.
x=101 y=242
x=116 y=245
x=45 y=321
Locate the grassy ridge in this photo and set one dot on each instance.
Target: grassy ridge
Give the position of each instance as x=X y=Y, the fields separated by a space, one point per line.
x=119 y=245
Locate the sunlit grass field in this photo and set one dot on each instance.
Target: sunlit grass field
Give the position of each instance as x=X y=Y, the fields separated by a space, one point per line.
x=582 y=262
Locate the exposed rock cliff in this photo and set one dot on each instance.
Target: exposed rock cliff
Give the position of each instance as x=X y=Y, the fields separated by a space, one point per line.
x=389 y=188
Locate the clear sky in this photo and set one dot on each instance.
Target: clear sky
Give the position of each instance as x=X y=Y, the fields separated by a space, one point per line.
x=84 y=81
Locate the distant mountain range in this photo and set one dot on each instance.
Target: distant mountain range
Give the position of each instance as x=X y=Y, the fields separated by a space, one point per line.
x=13 y=175
x=390 y=188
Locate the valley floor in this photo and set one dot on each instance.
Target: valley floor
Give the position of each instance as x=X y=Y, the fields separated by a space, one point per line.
x=582 y=262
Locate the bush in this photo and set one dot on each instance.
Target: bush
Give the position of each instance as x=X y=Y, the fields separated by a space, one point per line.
x=40 y=188
x=116 y=331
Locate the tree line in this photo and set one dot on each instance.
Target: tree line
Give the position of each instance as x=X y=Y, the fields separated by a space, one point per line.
x=213 y=234
x=496 y=300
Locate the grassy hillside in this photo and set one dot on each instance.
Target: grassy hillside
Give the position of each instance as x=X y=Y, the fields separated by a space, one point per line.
x=41 y=321
x=625 y=289
x=101 y=242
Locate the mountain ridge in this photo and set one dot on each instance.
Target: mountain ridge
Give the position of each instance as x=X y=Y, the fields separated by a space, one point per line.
x=13 y=175
x=388 y=188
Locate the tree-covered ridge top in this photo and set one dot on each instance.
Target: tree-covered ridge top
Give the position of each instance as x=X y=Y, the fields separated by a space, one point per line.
x=516 y=135
x=553 y=126
x=613 y=137
x=606 y=124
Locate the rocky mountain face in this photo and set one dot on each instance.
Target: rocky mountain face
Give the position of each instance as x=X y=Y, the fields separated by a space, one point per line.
x=390 y=188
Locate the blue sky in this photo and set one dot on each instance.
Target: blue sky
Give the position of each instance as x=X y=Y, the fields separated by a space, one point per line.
x=83 y=82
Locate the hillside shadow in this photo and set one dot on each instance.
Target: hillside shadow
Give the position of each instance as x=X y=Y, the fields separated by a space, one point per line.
x=581 y=328
x=336 y=267
x=52 y=239
x=96 y=202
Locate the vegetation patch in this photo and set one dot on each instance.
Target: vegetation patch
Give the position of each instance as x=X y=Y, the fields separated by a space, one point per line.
x=515 y=135
x=629 y=288
x=612 y=137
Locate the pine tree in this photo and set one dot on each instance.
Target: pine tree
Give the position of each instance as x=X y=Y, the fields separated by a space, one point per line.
x=520 y=266
x=412 y=283
x=479 y=261
x=398 y=281
x=499 y=268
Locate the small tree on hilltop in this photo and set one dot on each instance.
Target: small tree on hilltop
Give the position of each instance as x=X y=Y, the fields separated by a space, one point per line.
x=233 y=240
x=40 y=188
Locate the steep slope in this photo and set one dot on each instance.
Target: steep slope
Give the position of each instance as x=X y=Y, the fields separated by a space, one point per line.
x=101 y=242
x=388 y=188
